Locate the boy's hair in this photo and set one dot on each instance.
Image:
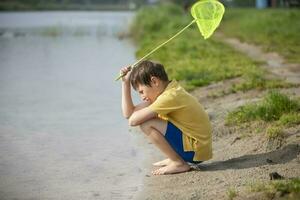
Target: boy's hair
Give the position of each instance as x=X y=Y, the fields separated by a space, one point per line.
x=142 y=73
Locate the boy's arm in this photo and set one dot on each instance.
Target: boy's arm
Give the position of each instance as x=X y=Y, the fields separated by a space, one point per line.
x=141 y=106
x=136 y=114
x=140 y=116
x=127 y=104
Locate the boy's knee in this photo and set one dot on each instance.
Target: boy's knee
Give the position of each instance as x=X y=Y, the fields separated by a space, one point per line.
x=146 y=126
x=154 y=124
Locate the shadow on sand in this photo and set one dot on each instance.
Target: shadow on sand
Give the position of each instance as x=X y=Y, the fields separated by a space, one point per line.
x=279 y=156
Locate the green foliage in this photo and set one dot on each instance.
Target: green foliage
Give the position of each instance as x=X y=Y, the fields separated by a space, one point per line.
x=274 y=132
x=189 y=58
x=150 y=21
x=271 y=108
x=184 y=2
x=243 y=3
x=288 y=188
x=255 y=78
x=274 y=29
x=289 y=119
x=231 y=193
x=242 y=114
x=276 y=104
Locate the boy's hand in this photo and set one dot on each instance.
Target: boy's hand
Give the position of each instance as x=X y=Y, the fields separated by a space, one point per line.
x=126 y=71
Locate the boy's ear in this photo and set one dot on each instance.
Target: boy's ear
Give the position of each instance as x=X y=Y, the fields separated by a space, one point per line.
x=154 y=81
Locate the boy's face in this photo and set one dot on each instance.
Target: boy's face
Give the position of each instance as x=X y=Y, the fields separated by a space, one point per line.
x=150 y=94
x=147 y=93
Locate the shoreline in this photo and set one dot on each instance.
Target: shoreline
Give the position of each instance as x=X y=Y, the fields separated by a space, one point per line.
x=53 y=7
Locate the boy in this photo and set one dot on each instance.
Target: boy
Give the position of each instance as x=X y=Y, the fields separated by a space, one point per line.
x=173 y=120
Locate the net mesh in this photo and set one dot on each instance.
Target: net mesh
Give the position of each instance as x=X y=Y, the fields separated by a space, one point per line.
x=208 y=15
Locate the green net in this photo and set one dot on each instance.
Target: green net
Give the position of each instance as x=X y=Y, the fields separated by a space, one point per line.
x=208 y=15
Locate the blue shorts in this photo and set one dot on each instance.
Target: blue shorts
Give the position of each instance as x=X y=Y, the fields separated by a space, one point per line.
x=174 y=137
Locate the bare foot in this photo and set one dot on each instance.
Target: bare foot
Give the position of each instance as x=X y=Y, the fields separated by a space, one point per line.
x=172 y=168
x=162 y=163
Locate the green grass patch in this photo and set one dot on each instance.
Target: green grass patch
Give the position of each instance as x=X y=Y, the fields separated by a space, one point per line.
x=290 y=189
x=255 y=78
x=273 y=106
x=290 y=119
x=274 y=132
x=274 y=29
x=231 y=193
x=191 y=59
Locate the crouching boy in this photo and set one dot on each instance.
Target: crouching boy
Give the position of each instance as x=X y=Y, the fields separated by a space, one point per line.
x=173 y=120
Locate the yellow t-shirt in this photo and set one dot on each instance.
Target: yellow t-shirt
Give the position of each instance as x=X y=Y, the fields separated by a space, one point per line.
x=186 y=113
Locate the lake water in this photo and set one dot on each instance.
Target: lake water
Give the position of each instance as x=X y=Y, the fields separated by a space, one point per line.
x=62 y=135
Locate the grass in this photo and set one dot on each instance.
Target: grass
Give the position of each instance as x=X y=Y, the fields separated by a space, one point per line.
x=231 y=193
x=273 y=29
x=255 y=78
x=290 y=119
x=274 y=132
x=290 y=189
x=191 y=59
x=273 y=106
x=271 y=115
x=188 y=58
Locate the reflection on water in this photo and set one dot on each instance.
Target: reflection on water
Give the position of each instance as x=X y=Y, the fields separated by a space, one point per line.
x=64 y=23
x=62 y=135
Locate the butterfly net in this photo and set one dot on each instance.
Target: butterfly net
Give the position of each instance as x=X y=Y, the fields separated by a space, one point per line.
x=208 y=15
